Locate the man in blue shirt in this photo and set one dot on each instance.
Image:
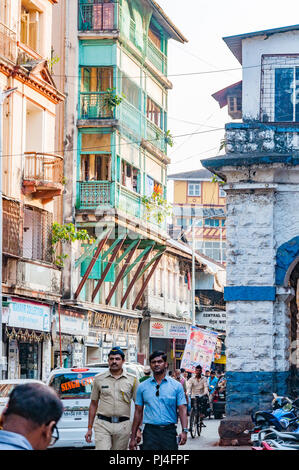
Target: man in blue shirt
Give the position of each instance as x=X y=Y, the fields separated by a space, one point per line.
x=212 y=382
x=29 y=420
x=157 y=401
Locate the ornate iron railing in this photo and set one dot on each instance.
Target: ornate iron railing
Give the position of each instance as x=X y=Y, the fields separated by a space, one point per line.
x=93 y=105
x=43 y=167
x=96 y=15
x=8 y=43
x=93 y=194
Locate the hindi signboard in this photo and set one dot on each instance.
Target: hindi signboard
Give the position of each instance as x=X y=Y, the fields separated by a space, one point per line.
x=199 y=349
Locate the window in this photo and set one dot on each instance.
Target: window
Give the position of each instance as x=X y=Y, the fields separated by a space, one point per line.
x=222 y=193
x=194 y=189
x=155 y=36
x=286 y=94
x=95 y=167
x=96 y=15
x=37 y=229
x=30 y=31
x=212 y=222
x=130 y=177
x=154 y=112
x=130 y=91
x=96 y=78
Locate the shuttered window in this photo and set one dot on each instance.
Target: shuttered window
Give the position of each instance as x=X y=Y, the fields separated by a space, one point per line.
x=37 y=234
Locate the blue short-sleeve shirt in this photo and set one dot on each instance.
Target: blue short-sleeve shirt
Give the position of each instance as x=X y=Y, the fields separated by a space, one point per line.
x=161 y=410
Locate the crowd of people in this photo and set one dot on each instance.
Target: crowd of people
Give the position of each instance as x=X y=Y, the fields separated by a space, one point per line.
x=30 y=418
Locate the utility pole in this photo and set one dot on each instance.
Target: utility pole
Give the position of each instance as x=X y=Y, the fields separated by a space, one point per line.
x=193 y=272
x=3 y=95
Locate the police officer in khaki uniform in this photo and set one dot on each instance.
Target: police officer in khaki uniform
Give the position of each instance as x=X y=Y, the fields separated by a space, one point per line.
x=111 y=396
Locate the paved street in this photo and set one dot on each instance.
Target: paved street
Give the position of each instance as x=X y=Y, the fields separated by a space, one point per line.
x=209 y=439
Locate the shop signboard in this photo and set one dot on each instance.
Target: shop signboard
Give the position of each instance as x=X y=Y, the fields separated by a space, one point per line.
x=29 y=315
x=73 y=325
x=213 y=319
x=170 y=330
x=199 y=349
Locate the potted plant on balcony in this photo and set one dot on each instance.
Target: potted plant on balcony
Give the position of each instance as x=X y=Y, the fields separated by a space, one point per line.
x=156 y=205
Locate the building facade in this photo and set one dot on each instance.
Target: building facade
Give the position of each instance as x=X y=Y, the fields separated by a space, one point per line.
x=113 y=129
x=197 y=197
x=260 y=168
x=32 y=185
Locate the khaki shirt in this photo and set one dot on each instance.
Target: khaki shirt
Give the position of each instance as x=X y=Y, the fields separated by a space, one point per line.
x=114 y=393
x=197 y=387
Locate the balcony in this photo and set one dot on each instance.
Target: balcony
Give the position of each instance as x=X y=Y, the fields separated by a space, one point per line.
x=8 y=43
x=97 y=16
x=93 y=195
x=155 y=136
x=93 y=105
x=43 y=175
x=156 y=57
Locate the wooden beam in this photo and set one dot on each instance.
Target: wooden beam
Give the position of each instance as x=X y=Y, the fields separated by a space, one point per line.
x=138 y=258
x=138 y=297
x=108 y=266
x=157 y=255
x=135 y=277
x=120 y=274
x=89 y=250
x=92 y=263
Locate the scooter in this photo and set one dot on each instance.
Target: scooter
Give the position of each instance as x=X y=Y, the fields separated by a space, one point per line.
x=271 y=439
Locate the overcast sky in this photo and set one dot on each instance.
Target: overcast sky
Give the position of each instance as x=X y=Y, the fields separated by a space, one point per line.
x=204 y=23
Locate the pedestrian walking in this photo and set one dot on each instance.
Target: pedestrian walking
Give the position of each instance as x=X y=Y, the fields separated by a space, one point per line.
x=29 y=420
x=147 y=374
x=110 y=406
x=157 y=402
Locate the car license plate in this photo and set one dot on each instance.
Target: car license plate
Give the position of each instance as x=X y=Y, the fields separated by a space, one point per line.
x=75 y=413
x=254 y=437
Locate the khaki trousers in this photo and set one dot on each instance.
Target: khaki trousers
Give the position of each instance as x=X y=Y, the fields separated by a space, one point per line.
x=112 y=436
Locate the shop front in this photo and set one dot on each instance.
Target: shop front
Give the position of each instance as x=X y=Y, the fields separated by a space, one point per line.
x=70 y=330
x=107 y=330
x=27 y=339
x=168 y=336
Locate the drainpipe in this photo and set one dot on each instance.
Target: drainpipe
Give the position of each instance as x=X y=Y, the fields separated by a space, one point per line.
x=3 y=95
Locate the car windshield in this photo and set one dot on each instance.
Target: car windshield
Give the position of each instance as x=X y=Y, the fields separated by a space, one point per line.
x=73 y=385
x=5 y=390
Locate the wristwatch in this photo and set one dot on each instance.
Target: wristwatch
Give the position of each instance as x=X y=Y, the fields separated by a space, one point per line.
x=185 y=430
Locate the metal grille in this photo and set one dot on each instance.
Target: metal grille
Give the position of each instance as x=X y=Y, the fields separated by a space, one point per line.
x=37 y=234
x=11 y=227
x=97 y=15
x=93 y=194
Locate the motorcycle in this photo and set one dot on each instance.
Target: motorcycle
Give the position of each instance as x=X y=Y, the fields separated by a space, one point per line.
x=282 y=417
x=271 y=439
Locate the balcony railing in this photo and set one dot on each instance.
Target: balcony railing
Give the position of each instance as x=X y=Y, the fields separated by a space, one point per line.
x=8 y=43
x=131 y=117
x=129 y=202
x=94 y=194
x=93 y=105
x=95 y=15
x=43 y=167
x=155 y=136
x=156 y=57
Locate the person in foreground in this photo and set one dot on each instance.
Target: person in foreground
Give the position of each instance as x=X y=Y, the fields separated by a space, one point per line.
x=111 y=396
x=157 y=401
x=30 y=417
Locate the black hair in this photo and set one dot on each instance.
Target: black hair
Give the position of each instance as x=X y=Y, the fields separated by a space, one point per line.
x=198 y=367
x=157 y=354
x=35 y=402
x=183 y=370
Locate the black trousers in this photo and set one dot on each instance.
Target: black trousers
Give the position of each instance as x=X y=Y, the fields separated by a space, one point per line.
x=159 y=437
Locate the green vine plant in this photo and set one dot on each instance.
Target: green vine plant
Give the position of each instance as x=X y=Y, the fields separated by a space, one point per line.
x=156 y=206
x=62 y=234
x=216 y=179
x=169 y=139
x=222 y=144
x=54 y=60
x=111 y=99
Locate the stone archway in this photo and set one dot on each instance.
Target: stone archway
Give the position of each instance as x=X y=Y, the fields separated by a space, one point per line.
x=287 y=274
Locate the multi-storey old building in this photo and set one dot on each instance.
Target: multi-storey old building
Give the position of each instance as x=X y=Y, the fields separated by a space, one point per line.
x=113 y=128
x=261 y=172
x=32 y=184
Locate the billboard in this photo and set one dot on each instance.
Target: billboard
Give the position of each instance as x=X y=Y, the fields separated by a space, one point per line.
x=199 y=349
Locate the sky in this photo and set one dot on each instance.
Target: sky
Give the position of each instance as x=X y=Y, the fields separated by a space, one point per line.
x=191 y=108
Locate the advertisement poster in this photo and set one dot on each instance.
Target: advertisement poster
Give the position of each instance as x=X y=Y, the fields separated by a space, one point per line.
x=199 y=349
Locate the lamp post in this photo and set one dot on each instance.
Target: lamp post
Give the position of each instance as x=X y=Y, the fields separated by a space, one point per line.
x=3 y=95
x=193 y=272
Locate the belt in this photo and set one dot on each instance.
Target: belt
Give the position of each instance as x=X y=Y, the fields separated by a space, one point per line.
x=113 y=419
x=166 y=426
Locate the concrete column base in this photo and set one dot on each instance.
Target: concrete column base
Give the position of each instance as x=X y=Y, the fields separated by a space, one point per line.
x=231 y=431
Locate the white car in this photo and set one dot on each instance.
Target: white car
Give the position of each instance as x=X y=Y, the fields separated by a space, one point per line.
x=73 y=386
x=6 y=386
